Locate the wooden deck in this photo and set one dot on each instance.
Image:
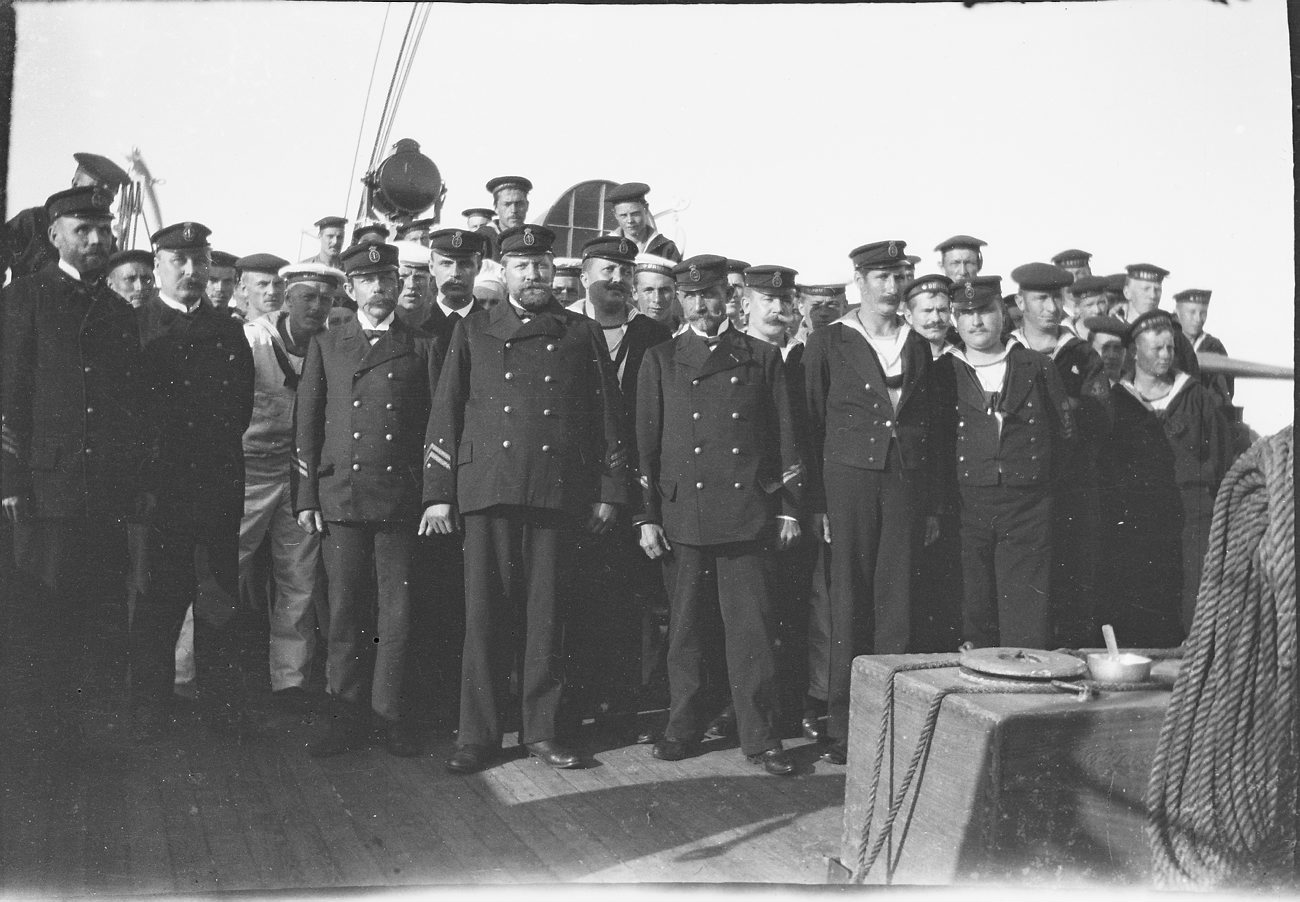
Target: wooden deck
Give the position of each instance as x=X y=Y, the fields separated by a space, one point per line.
x=199 y=813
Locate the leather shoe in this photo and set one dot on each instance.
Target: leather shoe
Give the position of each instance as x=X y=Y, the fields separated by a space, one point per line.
x=401 y=741
x=340 y=736
x=837 y=753
x=469 y=759
x=673 y=749
x=554 y=754
x=812 y=728
x=723 y=726
x=775 y=761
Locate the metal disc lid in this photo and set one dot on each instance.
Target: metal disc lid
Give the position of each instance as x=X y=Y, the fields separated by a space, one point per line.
x=1023 y=663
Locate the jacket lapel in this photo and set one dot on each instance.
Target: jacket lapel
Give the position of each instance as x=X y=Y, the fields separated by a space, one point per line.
x=395 y=342
x=691 y=351
x=1020 y=374
x=729 y=353
x=352 y=344
x=860 y=356
x=913 y=365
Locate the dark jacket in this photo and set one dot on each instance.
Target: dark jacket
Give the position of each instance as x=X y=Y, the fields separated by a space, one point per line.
x=1198 y=433
x=526 y=414
x=75 y=399
x=1037 y=422
x=718 y=457
x=25 y=247
x=361 y=416
x=201 y=380
x=851 y=418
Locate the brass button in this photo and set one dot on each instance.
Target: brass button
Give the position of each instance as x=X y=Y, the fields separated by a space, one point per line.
x=867 y=386
x=550 y=347
x=387 y=406
x=506 y=409
x=696 y=415
x=552 y=379
x=961 y=458
x=506 y=443
x=356 y=435
x=699 y=485
x=87 y=450
x=90 y=410
x=546 y=413
x=546 y=448
x=389 y=437
x=735 y=379
x=739 y=486
x=356 y=466
x=509 y=344
x=888 y=424
x=695 y=382
x=1031 y=421
x=735 y=415
x=735 y=450
x=699 y=450
x=390 y=375
x=87 y=369
x=389 y=468
x=356 y=403
x=509 y=376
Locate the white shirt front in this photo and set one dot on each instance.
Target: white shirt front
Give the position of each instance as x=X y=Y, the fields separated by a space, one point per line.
x=177 y=305
x=368 y=324
x=889 y=349
x=69 y=269
x=992 y=375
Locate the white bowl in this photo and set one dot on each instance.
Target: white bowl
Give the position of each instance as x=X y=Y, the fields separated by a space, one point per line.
x=1124 y=668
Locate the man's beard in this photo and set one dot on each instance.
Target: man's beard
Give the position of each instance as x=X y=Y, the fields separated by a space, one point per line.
x=534 y=297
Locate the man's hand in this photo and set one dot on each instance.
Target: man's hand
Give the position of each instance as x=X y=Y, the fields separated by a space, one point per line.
x=787 y=534
x=312 y=522
x=931 y=530
x=653 y=541
x=439 y=518
x=15 y=508
x=601 y=519
x=822 y=527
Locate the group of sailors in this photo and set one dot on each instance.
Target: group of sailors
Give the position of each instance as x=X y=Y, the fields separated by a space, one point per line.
x=542 y=483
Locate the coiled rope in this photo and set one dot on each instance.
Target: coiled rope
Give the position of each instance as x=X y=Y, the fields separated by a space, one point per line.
x=1222 y=801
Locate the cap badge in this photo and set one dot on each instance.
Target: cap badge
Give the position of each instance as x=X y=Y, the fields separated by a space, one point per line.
x=529 y=239
x=100 y=198
x=373 y=255
x=695 y=273
x=456 y=239
x=187 y=232
x=776 y=280
x=622 y=245
x=893 y=249
x=970 y=292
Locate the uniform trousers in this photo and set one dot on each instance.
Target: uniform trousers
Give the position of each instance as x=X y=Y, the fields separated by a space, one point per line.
x=937 y=591
x=819 y=621
x=181 y=543
x=1006 y=557
x=748 y=624
x=877 y=519
x=1075 y=530
x=1198 y=516
x=66 y=628
x=518 y=564
x=356 y=555
x=295 y=562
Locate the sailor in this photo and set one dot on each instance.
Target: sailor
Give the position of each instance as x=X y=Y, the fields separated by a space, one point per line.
x=259 y=290
x=1089 y=295
x=721 y=479
x=416 y=230
x=1007 y=418
x=1106 y=336
x=415 y=297
x=655 y=290
x=510 y=206
x=1197 y=431
x=329 y=231
x=819 y=306
x=130 y=274
x=279 y=343
x=1074 y=261
x=1075 y=509
x=1115 y=294
x=72 y=445
x=928 y=309
x=25 y=245
x=736 y=291
x=201 y=376
x=960 y=256
x=370 y=232
x=477 y=216
x=635 y=222
x=363 y=404
x=873 y=425
x=567 y=287
x=454 y=259
x=1193 y=306
x=1143 y=286
x=221 y=283
x=524 y=444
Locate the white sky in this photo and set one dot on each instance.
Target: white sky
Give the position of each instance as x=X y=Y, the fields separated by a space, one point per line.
x=1141 y=130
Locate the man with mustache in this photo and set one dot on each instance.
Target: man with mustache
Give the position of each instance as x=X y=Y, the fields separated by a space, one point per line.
x=721 y=478
x=635 y=222
x=279 y=343
x=201 y=375
x=873 y=425
x=1007 y=417
x=524 y=444
x=960 y=256
x=259 y=290
x=25 y=245
x=819 y=306
x=363 y=403
x=1075 y=507
x=613 y=590
x=454 y=259
x=72 y=445
x=928 y=309
x=329 y=231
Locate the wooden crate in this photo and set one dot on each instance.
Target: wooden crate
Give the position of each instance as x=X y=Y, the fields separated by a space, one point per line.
x=1042 y=789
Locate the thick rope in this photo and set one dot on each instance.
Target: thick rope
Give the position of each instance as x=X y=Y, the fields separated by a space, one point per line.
x=1222 y=796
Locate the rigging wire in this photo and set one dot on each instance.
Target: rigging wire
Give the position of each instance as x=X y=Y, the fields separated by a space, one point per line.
x=388 y=97
x=366 y=108
x=405 y=65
